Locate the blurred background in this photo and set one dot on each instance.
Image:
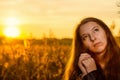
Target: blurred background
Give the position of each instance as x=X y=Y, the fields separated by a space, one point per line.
x=40 y=17
x=36 y=35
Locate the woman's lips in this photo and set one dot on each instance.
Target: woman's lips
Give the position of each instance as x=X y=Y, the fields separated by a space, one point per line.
x=97 y=44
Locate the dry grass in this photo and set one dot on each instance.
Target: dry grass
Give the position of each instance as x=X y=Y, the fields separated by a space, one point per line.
x=34 y=60
x=27 y=61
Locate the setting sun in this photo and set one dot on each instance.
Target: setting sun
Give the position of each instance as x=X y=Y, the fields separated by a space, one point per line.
x=11 y=32
x=11 y=27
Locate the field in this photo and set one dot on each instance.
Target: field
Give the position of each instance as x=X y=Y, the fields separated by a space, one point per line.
x=33 y=59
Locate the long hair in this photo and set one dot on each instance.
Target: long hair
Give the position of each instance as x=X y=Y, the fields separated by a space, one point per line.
x=112 y=53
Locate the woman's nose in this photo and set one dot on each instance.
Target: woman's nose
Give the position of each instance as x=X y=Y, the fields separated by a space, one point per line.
x=92 y=37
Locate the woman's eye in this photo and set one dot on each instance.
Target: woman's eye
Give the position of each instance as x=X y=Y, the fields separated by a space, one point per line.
x=96 y=30
x=85 y=37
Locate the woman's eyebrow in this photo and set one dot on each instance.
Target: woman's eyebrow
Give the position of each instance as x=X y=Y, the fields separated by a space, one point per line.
x=94 y=27
x=83 y=34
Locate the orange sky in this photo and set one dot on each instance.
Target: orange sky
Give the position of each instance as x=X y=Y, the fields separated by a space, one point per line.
x=39 y=17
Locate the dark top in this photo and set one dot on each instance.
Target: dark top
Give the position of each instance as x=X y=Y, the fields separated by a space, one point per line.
x=94 y=75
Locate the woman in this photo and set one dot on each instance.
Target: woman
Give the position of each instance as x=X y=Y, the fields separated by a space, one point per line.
x=95 y=54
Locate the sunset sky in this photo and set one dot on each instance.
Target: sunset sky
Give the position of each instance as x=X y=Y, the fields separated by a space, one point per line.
x=41 y=17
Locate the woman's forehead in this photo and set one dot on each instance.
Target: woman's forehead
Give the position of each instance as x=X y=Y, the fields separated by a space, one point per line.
x=88 y=27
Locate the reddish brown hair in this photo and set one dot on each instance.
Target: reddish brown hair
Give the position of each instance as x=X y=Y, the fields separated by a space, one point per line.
x=112 y=53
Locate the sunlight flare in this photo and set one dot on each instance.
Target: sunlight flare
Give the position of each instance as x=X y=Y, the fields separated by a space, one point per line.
x=12 y=21
x=11 y=27
x=11 y=32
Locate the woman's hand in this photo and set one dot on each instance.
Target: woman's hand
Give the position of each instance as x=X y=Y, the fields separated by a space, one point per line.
x=86 y=63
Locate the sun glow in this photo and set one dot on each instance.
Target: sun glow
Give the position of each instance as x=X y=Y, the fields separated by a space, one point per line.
x=11 y=32
x=11 y=27
x=12 y=22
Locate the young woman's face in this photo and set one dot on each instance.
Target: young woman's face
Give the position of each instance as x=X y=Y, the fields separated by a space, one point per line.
x=93 y=37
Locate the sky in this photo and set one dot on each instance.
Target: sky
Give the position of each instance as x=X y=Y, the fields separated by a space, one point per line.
x=42 y=18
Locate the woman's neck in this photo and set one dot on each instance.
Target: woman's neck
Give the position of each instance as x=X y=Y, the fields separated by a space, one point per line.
x=101 y=59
